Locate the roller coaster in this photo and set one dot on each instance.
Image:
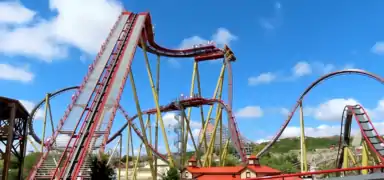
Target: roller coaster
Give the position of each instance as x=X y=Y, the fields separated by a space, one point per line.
x=87 y=123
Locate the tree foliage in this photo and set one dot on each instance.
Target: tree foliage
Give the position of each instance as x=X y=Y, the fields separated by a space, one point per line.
x=288 y=144
x=100 y=169
x=172 y=174
x=124 y=158
x=279 y=156
x=231 y=160
x=287 y=163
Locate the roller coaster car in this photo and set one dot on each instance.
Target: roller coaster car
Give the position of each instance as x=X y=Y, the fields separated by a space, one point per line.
x=226 y=52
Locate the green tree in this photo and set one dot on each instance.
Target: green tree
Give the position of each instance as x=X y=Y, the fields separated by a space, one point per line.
x=231 y=160
x=124 y=158
x=100 y=169
x=30 y=160
x=172 y=174
x=286 y=163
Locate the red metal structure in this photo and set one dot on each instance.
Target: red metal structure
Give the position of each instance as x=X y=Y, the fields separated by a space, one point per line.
x=90 y=116
x=13 y=134
x=97 y=99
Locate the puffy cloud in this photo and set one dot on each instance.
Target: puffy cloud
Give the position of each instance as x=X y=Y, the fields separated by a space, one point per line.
x=189 y=42
x=378 y=48
x=302 y=68
x=49 y=39
x=221 y=37
x=250 y=112
x=319 y=131
x=13 y=73
x=263 y=78
x=330 y=110
x=170 y=121
x=29 y=105
x=14 y=13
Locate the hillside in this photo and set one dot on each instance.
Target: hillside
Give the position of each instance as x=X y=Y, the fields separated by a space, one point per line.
x=288 y=144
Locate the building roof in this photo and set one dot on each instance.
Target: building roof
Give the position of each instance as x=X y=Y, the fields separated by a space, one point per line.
x=215 y=170
x=231 y=169
x=21 y=112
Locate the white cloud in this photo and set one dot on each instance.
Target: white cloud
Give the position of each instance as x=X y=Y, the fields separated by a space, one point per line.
x=195 y=124
x=378 y=48
x=261 y=141
x=250 y=112
x=49 y=38
x=263 y=78
x=36 y=41
x=13 y=73
x=14 y=13
x=189 y=42
x=319 y=131
x=29 y=106
x=89 y=31
x=330 y=110
x=170 y=121
x=221 y=37
x=302 y=68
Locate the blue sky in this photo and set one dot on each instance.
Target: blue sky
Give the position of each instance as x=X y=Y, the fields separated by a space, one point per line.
x=281 y=47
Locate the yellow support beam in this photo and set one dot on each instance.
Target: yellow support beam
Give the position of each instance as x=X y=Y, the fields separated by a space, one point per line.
x=364 y=158
x=199 y=93
x=136 y=163
x=157 y=117
x=148 y=125
x=208 y=155
x=140 y=116
x=156 y=99
x=120 y=152
x=33 y=144
x=217 y=91
x=127 y=159
x=224 y=155
x=303 y=150
x=45 y=121
x=189 y=111
x=197 y=154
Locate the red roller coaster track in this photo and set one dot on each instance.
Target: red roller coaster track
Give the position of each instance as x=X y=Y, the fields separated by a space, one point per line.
x=106 y=80
x=306 y=91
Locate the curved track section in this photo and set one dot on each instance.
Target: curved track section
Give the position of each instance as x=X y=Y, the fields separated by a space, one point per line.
x=370 y=134
x=153 y=47
x=38 y=106
x=170 y=107
x=345 y=135
x=307 y=90
x=189 y=102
